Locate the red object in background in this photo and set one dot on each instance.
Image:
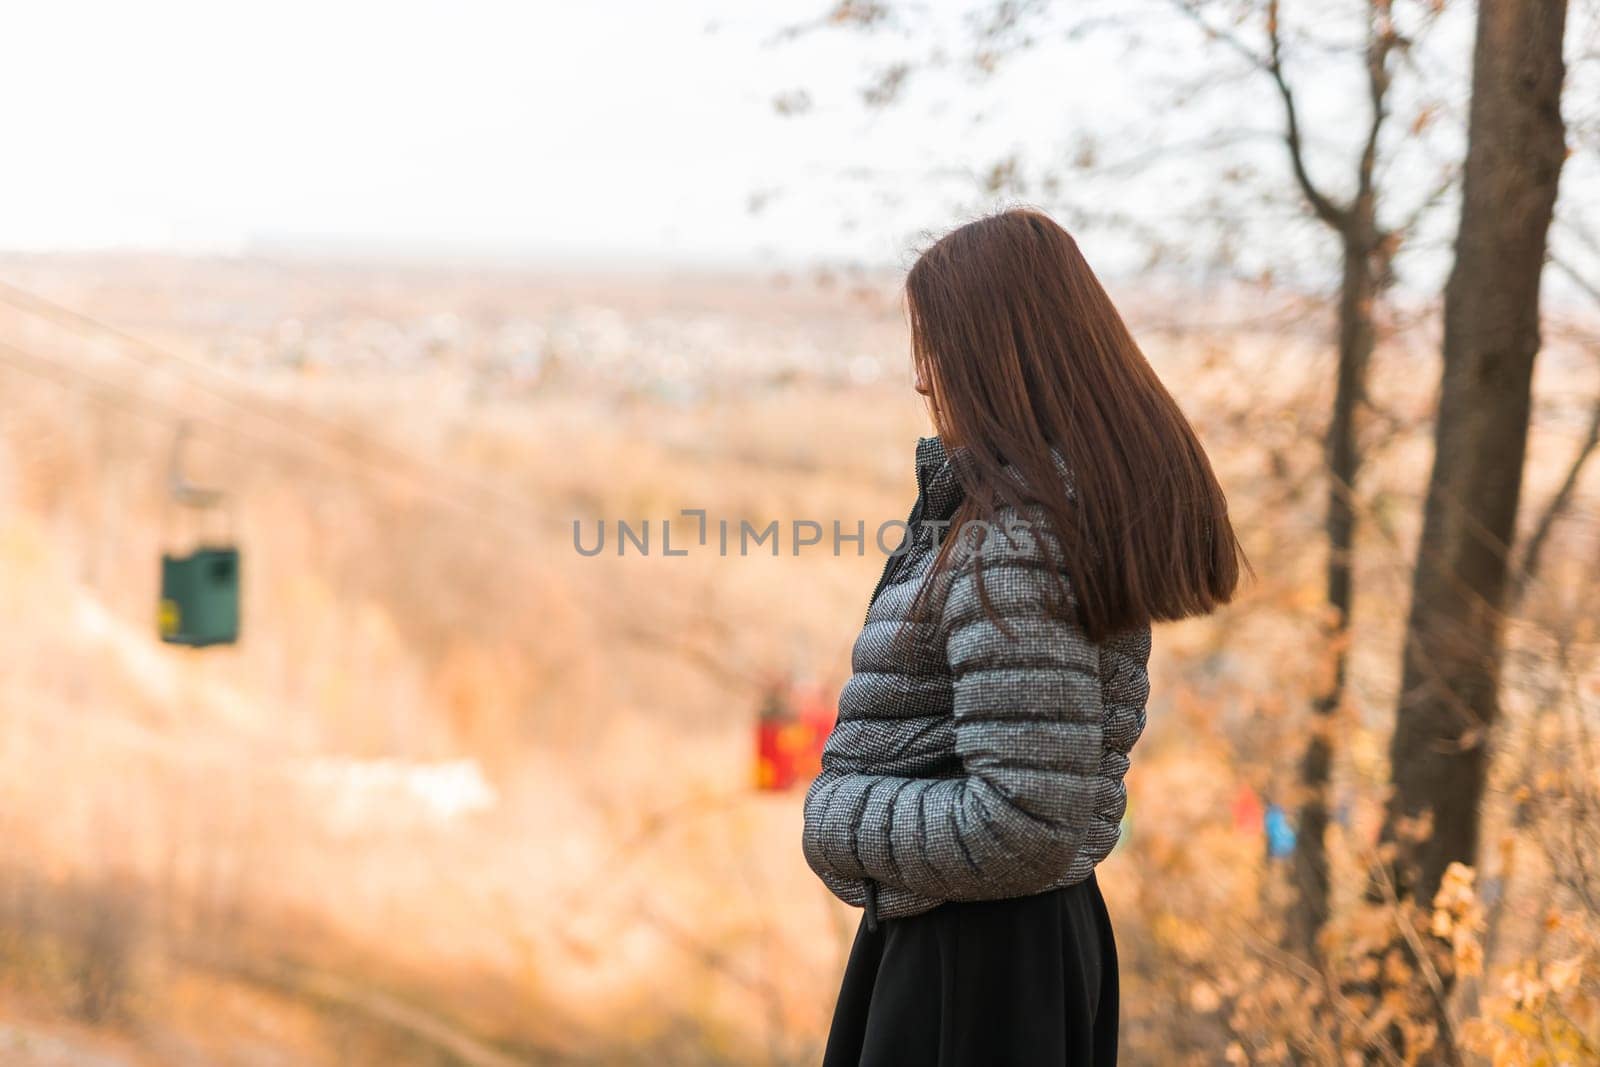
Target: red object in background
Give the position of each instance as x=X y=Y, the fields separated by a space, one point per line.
x=1247 y=810
x=793 y=726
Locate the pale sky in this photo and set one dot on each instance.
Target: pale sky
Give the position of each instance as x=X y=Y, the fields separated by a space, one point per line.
x=589 y=130
x=629 y=131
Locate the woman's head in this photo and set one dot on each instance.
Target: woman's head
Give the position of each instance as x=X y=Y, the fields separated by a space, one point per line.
x=1021 y=354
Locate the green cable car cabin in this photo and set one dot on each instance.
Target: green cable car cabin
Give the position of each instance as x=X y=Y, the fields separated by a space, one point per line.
x=199 y=604
x=200 y=597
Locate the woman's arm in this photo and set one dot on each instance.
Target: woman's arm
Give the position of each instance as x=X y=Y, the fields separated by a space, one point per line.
x=1028 y=724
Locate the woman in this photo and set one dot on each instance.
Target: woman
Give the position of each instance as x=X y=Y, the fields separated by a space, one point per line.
x=975 y=777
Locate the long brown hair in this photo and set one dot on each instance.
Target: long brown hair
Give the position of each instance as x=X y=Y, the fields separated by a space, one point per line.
x=1026 y=360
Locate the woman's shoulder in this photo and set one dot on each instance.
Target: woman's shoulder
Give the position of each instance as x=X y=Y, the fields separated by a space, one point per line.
x=1013 y=533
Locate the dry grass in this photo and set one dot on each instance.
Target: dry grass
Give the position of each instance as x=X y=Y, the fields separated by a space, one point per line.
x=462 y=796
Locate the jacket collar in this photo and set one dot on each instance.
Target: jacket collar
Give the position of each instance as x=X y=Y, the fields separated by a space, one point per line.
x=937 y=477
x=930 y=458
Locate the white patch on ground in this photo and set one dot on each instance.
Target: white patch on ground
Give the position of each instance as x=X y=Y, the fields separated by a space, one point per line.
x=356 y=794
x=21 y=1046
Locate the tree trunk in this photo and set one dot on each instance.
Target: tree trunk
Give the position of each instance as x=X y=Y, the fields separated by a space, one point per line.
x=1357 y=337
x=1449 y=696
x=1451 y=661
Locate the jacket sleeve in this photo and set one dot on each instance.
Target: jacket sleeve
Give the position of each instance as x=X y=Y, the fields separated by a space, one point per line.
x=1028 y=730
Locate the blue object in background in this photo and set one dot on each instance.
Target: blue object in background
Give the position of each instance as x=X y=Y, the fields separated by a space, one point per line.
x=1280 y=835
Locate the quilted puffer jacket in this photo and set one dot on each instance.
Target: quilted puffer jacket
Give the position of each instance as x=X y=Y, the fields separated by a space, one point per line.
x=967 y=763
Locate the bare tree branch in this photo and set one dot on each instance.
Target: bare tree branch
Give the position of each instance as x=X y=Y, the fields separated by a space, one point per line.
x=1381 y=40
x=1528 y=569
x=1191 y=9
x=1325 y=209
x=1558 y=505
x=1272 y=64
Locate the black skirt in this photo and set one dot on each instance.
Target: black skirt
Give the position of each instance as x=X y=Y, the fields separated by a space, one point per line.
x=1023 y=982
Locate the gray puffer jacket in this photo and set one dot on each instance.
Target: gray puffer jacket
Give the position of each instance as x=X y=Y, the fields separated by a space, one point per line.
x=968 y=764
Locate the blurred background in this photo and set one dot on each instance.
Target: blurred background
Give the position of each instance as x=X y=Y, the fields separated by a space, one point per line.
x=321 y=325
